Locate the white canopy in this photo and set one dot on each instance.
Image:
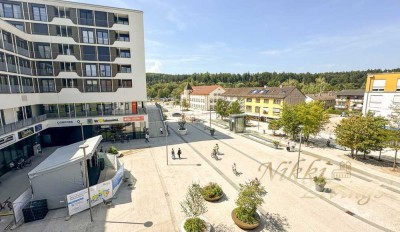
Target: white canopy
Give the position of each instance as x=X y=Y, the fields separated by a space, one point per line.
x=66 y=155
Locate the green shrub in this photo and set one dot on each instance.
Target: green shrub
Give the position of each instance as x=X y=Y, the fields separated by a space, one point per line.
x=211 y=190
x=276 y=143
x=319 y=180
x=250 y=197
x=113 y=150
x=194 y=225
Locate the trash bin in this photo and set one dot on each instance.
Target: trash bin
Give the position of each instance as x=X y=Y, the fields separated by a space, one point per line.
x=101 y=163
x=35 y=210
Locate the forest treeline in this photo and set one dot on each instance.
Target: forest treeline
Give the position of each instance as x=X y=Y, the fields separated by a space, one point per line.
x=171 y=85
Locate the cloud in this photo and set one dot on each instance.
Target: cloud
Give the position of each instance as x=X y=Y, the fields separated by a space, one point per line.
x=155 y=66
x=275 y=52
x=213 y=45
x=154 y=43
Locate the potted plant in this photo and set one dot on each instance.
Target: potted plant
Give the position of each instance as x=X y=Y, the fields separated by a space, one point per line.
x=212 y=131
x=212 y=192
x=113 y=150
x=182 y=130
x=193 y=207
x=250 y=197
x=276 y=144
x=320 y=183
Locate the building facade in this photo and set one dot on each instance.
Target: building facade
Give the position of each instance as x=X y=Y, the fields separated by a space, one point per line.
x=329 y=99
x=202 y=97
x=265 y=102
x=382 y=92
x=64 y=65
x=350 y=99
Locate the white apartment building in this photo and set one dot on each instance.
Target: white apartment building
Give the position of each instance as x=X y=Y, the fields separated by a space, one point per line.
x=202 y=97
x=66 y=64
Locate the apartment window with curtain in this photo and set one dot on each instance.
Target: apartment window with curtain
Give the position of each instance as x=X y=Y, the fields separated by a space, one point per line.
x=378 y=85
x=10 y=10
x=86 y=17
x=47 y=85
x=87 y=35
x=125 y=69
x=106 y=86
x=125 y=54
x=39 y=13
x=44 y=68
x=90 y=70
x=92 y=86
x=42 y=51
x=102 y=37
x=105 y=70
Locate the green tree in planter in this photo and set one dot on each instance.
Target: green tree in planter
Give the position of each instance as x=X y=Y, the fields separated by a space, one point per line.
x=250 y=197
x=274 y=125
x=234 y=108
x=193 y=206
x=222 y=108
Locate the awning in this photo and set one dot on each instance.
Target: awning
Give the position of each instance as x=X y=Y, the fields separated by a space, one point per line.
x=66 y=155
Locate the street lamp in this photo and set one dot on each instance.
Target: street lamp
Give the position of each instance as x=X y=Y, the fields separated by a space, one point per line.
x=298 y=156
x=209 y=106
x=166 y=142
x=83 y=137
x=259 y=118
x=83 y=147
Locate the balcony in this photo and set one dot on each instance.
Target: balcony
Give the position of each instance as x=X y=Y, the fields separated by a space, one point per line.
x=9 y=128
x=23 y=51
x=4 y=89
x=12 y=68
x=27 y=89
x=25 y=70
x=14 y=89
x=3 y=66
x=8 y=46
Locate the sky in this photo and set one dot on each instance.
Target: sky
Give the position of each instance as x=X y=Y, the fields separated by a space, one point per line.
x=237 y=36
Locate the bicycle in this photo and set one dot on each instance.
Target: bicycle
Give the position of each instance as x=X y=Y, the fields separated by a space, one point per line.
x=214 y=155
x=6 y=203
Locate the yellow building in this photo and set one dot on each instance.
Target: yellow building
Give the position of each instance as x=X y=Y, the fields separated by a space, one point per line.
x=265 y=102
x=382 y=92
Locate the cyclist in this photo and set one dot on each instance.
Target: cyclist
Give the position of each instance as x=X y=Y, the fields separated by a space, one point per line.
x=216 y=149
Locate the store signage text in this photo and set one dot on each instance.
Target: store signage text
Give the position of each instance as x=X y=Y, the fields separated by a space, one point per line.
x=25 y=133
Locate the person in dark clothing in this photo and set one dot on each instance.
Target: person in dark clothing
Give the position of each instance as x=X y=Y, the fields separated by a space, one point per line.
x=288 y=147
x=179 y=153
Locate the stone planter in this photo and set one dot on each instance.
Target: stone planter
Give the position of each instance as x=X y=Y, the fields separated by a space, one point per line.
x=182 y=132
x=214 y=198
x=208 y=225
x=320 y=188
x=244 y=225
x=276 y=146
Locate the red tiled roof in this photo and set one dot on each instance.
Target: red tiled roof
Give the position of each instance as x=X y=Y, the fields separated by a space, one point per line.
x=204 y=90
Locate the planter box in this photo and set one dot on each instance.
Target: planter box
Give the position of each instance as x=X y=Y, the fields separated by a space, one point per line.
x=244 y=225
x=208 y=225
x=213 y=199
x=319 y=188
x=182 y=132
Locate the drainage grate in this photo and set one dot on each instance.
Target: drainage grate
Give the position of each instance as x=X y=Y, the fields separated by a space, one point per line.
x=350 y=213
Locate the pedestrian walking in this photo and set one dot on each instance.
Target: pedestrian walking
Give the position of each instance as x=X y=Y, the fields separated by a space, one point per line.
x=288 y=147
x=179 y=153
x=293 y=146
x=173 y=154
x=147 y=137
x=161 y=130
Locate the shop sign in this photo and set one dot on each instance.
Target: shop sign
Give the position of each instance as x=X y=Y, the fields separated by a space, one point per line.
x=68 y=122
x=4 y=141
x=38 y=127
x=134 y=118
x=105 y=120
x=25 y=133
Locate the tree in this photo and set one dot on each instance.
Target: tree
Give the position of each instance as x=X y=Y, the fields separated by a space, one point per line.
x=290 y=120
x=222 y=108
x=185 y=104
x=394 y=135
x=234 y=108
x=348 y=133
x=274 y=125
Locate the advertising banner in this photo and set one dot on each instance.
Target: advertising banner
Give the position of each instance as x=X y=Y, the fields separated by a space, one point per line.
x=6 y=140
x=25 y=133
x=139 y=118
x=79 y=201
x=117 y=179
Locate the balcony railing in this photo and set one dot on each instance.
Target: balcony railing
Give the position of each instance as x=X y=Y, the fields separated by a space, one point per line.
x=4 y=89
x=8 y=128
x=14 y=89
x=3 y=66
x=8 y=46
x=27 y=89
x=23 y=51
x=12 y=68
x=25 y=70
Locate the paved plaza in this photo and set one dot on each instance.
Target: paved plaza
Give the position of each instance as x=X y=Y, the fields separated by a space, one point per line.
x=151 y=203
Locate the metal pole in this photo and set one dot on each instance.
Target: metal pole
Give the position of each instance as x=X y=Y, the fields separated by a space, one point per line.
x=83 y=137
x=166 y=142
x=83 y=147
x=210 y=114
x=298 y=158
x=259 y=118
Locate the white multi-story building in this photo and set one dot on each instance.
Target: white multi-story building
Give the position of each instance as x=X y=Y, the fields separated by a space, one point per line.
x=202 y=97
x=66 y=64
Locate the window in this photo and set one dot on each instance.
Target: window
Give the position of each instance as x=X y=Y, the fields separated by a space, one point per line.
x=18 y=25
x=398 y=85
x=257 y=109
x=248 y=100
x=276 y=110
x=125 y=53
x=265 y=110
x=123 y=37
x=102 y=37
x=44 y=68
x=266 y=100
x=396 y=100
x=65 y=49
x=92 y=86
x=90 y=70
x=40 y=29
x=42 y=50
x=86 y=17
x=47 y=85
x=88 y=53
x=257 y=100
x=87 y=36
x=277 y=101
x=4 y=84
x=27 y=85
x=122 y=20
x=106 y=86
x=104 y=53
x=64 y=31
x=39 y=12
x=101 y=19
x=70 y=83
x=248 y=108
x=9 y=10
x=67 y=67
x=105 y=70
x=378 y=85
x=125 y=83
x=14 y=84
x=63 y=12
x=125 y=69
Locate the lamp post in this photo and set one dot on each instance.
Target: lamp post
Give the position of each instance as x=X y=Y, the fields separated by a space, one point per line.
x=298 y=156
x=259 y=118
x=209 y=106
x=166 y=142
x=83 y=147
x=83 y=137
